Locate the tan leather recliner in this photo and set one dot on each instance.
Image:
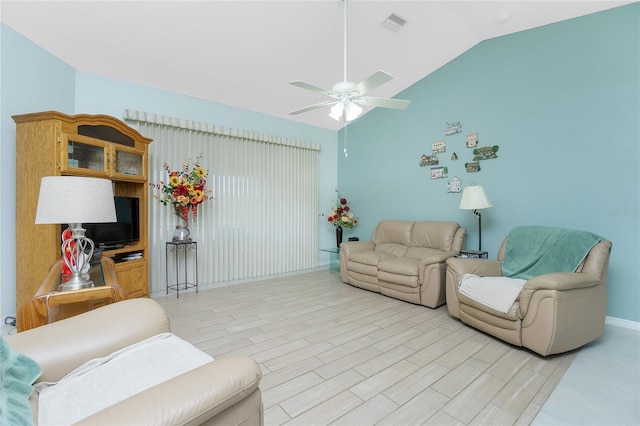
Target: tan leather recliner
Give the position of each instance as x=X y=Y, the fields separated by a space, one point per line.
x=554 y=312
x=404 y=260
x=224 y=391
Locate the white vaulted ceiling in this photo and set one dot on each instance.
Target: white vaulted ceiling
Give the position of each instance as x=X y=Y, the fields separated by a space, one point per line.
x=245 y=53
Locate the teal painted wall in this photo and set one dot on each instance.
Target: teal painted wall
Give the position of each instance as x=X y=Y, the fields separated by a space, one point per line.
x=34 y=80
x=31 y=80
x=562 y=104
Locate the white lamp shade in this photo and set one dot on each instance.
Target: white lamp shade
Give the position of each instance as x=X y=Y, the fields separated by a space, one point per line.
x=474 y=198
x=70 y=199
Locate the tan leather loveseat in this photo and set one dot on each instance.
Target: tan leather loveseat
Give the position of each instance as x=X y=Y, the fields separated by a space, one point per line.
x=404 y=260
x=224 y=391
x=553 y=312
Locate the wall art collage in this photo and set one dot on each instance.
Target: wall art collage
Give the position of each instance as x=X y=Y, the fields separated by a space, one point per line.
x=469 y=148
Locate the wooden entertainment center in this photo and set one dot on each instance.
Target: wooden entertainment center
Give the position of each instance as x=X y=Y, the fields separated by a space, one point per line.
x=53 y=144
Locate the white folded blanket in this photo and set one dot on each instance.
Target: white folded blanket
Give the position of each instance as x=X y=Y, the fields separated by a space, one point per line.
x=102 y=382
x=498 y=293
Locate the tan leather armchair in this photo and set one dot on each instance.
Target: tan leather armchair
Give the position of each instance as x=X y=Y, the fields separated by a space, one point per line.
x=404 y=260
x=553 y=313
x=224 y=391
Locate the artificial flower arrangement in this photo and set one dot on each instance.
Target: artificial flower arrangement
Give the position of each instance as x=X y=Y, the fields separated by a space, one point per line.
x=341 y=215
x=185 y=190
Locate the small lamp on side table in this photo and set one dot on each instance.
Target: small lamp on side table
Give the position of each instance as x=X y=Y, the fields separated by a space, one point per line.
x=474 y=198
x=75 y=200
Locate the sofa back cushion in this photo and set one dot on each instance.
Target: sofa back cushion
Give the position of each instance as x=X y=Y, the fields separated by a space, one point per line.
x=434 y=235
x=422 y=252
x=392 y=236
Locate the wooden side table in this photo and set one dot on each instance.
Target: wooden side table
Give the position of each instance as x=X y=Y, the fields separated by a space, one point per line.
x=50 y=305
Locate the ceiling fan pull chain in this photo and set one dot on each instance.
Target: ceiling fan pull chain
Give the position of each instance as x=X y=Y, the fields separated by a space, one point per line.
x=346 y=130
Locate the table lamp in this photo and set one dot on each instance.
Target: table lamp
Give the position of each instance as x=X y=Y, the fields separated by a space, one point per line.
x=474 y=198
x=75 y=200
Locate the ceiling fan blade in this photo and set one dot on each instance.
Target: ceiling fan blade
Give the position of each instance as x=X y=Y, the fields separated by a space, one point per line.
x=376 y=79
x=313 y=88
x=382 y=102
x=312 y=107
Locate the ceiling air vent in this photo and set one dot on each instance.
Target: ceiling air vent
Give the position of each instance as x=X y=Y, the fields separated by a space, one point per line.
x=394 y=22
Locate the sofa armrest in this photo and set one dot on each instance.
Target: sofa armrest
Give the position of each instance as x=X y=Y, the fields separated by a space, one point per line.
x=480 y=267
x=437 y=258
x=353 y=246
x=560 y=281
x=62 y=346
x=191 y=398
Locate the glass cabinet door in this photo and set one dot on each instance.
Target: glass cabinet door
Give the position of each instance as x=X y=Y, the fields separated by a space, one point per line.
x=128 y=163
x=83 y=155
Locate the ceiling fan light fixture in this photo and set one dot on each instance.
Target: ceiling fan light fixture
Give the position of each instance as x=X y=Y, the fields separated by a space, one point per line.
x=353 y=111
x=336 y=111
x=347 y=109
x=348 y=95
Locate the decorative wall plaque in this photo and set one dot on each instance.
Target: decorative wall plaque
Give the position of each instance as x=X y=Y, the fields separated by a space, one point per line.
x=472 y=167
x=429 y=160
x=454 y=185
x=438 y=147
x=472 y=140
x=439 y=172
x=485 y=153
x=452 y=128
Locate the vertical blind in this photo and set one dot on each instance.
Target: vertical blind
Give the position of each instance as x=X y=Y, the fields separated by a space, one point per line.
x=263 y=219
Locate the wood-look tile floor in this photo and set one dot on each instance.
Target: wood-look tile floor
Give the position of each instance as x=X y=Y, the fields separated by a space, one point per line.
x=331 y=353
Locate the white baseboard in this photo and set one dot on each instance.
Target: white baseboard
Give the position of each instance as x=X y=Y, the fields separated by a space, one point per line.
x=619 y=322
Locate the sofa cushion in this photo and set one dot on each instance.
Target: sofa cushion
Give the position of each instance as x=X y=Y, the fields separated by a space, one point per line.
x=393 y=231
x=369 y=257
x=422 y=253
x=437 y=235
x=363 y=269
x=102 y=382
x=400 y=266
x=395 y=250
x=395 y=281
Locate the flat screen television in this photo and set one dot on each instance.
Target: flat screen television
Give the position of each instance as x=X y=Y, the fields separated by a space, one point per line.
x=117 y=234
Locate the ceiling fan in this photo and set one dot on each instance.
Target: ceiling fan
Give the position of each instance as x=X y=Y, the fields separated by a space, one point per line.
x=349 y=97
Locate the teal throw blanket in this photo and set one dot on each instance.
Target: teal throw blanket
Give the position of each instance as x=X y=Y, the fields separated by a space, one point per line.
x=17 y=374
x=538 y=250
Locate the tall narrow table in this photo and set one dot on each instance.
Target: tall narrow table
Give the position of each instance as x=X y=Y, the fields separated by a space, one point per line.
x=177 y=248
